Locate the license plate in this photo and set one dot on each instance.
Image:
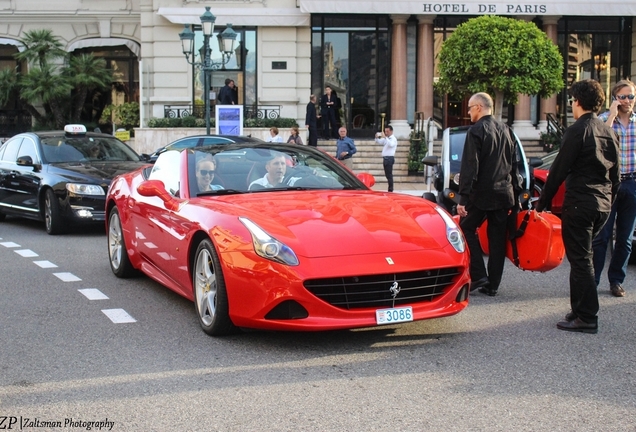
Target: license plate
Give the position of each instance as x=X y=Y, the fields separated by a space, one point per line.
x=394 y=315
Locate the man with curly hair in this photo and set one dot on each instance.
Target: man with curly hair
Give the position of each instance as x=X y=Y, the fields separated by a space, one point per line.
x=588 y=162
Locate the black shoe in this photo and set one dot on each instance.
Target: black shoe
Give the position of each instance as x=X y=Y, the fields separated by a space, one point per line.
x=578 y=325
x=479 y=284
x=617 y=290
x=570 y=316
x=488 y=291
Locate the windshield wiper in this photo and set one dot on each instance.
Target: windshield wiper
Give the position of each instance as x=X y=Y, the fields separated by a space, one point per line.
x=221 y=192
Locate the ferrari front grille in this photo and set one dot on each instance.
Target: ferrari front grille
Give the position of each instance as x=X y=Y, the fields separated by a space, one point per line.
x=387 y=290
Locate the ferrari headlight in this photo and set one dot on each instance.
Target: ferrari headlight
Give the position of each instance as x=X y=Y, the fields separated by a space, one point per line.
x=453 y=232
x=267 y=246
x=84 y=189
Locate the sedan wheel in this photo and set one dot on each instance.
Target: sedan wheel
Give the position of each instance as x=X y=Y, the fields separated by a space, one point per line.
x=52 y=214
x=210 y=296
x=117 y=253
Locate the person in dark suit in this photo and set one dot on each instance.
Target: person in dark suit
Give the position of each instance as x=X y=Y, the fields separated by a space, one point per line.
x=226 y=94
x=489 y=185
x=589 y=163
x=328 y=109
x=311 y=122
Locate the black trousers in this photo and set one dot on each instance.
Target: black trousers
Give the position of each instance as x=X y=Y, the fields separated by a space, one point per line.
x=497 y=234
x=313 y=137
x=579 y=227
x=329 y=118
x=387 y=163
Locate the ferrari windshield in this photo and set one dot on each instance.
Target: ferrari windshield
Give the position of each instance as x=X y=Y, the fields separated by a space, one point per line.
x=241 y=168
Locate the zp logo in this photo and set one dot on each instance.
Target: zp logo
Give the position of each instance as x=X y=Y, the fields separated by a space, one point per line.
x=7 y=422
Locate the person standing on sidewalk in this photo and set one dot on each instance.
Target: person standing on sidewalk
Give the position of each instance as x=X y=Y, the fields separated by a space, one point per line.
x=622 y=119
x=388 y=153
x=588 y=162
x=311 y=121
x=489 y=185
x=328 y=109
x=345 y=148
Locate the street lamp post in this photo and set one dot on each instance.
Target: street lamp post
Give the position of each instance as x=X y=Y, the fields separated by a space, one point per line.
x=226 y=40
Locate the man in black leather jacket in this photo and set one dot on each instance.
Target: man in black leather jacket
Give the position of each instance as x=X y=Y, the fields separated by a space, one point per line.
x=588 y=162
x=488 y=186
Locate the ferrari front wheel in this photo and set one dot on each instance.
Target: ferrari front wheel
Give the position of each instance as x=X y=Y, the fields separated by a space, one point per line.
x=117 y=253
x=210 y=295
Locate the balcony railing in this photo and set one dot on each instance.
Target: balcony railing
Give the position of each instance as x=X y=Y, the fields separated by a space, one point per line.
x=249 y=112
x=262 y=112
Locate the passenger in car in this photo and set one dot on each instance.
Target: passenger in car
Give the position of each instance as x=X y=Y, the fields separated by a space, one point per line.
x=205 y=170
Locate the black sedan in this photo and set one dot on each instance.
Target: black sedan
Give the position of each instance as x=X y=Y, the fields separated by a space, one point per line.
x=61 y=177
x=201 y=141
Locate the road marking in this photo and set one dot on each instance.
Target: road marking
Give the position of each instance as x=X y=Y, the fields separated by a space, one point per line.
x=27 y=253
x=45 y=264
x=67 y=277
x=93 y=294
x=9 y=244
x=118 y=316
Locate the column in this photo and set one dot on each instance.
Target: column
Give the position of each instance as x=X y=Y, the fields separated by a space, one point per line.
x=425 y=64
x=549 y=105
x=522 y=125
x=401 y=127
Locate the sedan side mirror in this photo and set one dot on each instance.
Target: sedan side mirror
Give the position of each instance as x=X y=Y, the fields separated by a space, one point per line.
x=26 y=161
x=535 y=162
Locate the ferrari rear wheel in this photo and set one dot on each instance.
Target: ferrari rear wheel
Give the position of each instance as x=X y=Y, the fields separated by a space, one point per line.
x=52 y=214
x=117 y=253
x=210 y=295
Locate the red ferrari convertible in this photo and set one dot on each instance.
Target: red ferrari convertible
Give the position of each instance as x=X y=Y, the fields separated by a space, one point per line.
x=283 y=237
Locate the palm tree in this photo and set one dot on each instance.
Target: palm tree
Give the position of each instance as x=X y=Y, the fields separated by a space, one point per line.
x=57 y=82
x=41 y=47
x=87 y=73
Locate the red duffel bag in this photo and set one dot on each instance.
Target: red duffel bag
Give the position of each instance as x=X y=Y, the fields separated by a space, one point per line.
x=535 y=245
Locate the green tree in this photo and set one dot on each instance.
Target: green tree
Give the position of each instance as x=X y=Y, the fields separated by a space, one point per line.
x=501 y=56
x=56 y=81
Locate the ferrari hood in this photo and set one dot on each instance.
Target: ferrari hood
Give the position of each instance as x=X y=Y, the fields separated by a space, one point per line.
x=341 y=223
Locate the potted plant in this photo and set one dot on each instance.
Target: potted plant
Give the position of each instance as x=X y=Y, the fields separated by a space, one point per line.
x=550 y=141
x=417 y=150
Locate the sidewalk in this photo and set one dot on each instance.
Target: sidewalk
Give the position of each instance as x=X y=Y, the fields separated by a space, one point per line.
x=416 y=189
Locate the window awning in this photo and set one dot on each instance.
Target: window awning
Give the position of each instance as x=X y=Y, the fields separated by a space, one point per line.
x=17 y=43
x=472 y=7
x=257 y=17
x=102 y=42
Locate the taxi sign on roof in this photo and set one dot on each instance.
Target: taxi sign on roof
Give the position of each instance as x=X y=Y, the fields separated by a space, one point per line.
x=75 y=129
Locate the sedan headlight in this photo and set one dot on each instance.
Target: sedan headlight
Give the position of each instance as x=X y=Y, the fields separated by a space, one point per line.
x=453 y=232
x=84 y=189
x=267 y=246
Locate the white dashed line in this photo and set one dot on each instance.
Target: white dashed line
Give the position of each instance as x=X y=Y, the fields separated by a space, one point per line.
x=118 y=316
x=67 y=277
x=44 y=264
x=27 y=253
x=93 y=294
x=9 y=244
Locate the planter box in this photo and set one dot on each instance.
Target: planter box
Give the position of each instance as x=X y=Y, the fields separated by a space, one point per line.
x=147 y=140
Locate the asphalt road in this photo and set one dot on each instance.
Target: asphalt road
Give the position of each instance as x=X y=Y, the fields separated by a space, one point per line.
x=500 y=365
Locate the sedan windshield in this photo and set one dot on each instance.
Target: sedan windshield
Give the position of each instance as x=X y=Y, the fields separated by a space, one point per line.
x=85 y=149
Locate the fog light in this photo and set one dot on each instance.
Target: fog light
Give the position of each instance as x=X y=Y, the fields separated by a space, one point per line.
x=83 y=212
x=462 y=295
